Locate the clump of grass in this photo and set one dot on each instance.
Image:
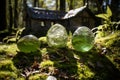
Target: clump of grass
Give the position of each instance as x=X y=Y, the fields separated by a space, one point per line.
x=7 y=69
x=109 y=40
x=7 y=75
x=8 y=49
x=38 y=77
x=46 y=63
x=7 y=65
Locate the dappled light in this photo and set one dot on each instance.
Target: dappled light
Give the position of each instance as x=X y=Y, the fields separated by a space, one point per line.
x=60 y=40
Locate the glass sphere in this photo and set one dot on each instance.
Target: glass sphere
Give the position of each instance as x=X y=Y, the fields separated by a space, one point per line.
x=28 y=43
x=57 y=36
x=83 y=39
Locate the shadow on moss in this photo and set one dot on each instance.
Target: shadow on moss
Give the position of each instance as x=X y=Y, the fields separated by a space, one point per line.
x=102 y=67
x=73 y=65
x=63 y=63
x=22 y=60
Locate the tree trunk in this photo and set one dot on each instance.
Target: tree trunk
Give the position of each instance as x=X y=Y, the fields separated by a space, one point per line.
x=57 y=5
x=3 y=15
x=71 y=4
x=115 y=10
x=99 y=5
x=10 y=16
x=36 y=3
x=15 y=14
x=62 y=5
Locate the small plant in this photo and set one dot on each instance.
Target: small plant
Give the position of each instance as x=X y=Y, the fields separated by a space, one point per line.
x=106 y=16
x=14 y=38
x=108 y=26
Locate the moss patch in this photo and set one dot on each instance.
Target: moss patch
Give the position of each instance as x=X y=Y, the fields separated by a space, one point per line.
x=63 y=63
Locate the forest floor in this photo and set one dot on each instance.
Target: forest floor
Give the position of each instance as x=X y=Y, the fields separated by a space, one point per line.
x=102 y=62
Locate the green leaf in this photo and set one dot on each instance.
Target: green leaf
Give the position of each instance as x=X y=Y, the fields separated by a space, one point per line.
x=109 y=12
x=103 y=16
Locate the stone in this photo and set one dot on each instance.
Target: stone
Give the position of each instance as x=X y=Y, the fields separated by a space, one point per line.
x=83 y=39
x=28 y=43
x=51 y=78
x=57 y=36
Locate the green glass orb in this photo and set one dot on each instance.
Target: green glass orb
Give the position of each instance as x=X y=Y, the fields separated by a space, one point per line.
x=83 y=39
x=57 y=36
x=28 y=43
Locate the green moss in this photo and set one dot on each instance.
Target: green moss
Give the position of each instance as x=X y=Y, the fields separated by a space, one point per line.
x=43 y=41
x=83 y=66
x=38 y=77
x=69 y=63
x=8 y=49
x=84 y=72
x=109 y=40
x=46 y=63
x=7 y=65
x=7 y=74
x=20 y=78
x=2 y=48
x=44 y=51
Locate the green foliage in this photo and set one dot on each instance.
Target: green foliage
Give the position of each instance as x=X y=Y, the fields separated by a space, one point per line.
x=64 y=63
x=19 y=32
x=7 y=69
x=7 y=65
x=69 y=64
x=103 y=16
x=107 y=29
x=110 y=40
x=86 y=72
x=14 y=38
x=20 y=78
x=109 y=12
x=69 y=42
x=7 y=75
x=8 y=48
x=46 y=63
x=108 y=26
x=43 y=41
x=106 y=16
x=38 y=77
